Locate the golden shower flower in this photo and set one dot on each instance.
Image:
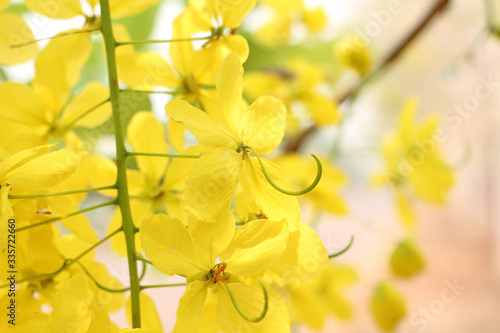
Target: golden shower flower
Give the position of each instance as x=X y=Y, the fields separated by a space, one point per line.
x=229 y=133
x=217 y=261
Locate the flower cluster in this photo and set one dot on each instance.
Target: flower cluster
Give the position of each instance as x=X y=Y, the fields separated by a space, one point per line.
x=209 y=208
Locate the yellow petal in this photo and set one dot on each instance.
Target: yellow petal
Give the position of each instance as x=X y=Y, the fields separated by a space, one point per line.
x=72 y=306
x=211 y=184
x=432 y=179
x=405 y=209
x=60 y=9
x=314 y=19
x=323 y=110
x=232 y=13
x=175 y=131
x=157 y=72
x=4 y=4
x=6 y=213
x=406 y=260
x=212 y=238
x=265 y=122
x=150 y=320
x=305 y=257
x=126 y=8
x=14 y=31
x=92 y=94
x=103 y=174
x=387 y=306
x=146 y=135
x=21 y=111
x=251 y=300
x=274 y=204
x=190 y=307
x=309 y=306
x=206 y=129
x=255 y=247
x=170 y=247
x=230 y=87
x=58 y=68
x=44 y=257
x=109 y=301
x=43 y=171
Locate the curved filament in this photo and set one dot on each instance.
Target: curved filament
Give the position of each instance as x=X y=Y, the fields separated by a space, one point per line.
x=240 y=310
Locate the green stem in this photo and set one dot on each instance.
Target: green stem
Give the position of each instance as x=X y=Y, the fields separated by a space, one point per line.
x=67 y=262
x=67 y=33
x=285 y=191
x=173 y=92
x=162 y=155
x=81 y=255
x=140 y=42
x=58 y=218
x=240 y=310
x=121 y=162
x=163 y=285
x=55 y=194
x=343 y=251
x=100 y=286
x=74 y=121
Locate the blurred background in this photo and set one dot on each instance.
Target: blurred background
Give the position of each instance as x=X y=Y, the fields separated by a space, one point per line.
x=442 y=67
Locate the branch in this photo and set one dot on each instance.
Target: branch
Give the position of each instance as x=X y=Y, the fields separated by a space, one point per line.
x=390 y=58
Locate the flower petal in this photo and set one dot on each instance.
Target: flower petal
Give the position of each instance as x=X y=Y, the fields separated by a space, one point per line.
x=14 y=31
x=126 y=8
x=274 y=204
x=150 y=320
x=251 y=300
x=305 y=257
x=211 y=183
x=59 y=9
x=265 y=122
x=212 y=238
x=255 y=247
x=147 y=135
x=190 y=307
x=91 y=95
x=72 y=306
x=170 y=247
x=205 y=128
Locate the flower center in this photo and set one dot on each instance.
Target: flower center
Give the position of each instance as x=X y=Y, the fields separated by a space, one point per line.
x=217 y=273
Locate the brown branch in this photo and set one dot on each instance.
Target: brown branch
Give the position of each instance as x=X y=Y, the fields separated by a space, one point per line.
x=390 y=58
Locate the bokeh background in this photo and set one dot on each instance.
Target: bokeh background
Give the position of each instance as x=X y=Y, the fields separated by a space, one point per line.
x=443 y=67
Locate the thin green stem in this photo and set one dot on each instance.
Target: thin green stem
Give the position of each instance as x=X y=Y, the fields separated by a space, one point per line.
x=121 y=161
x=74 y=121
x=67 y=33
x=67 y=262
x=141 y=42
x=58 y=218
x=162 y=155
x=55 y=194
x=81 y=255
x=173 y=92
x=343 y=251
x=240 y=310
x=100 y=286
x=163 y=285
x=282 y=190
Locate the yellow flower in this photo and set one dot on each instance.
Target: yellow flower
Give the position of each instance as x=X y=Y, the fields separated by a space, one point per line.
x=215 y=259
x=406 y=260
x=229 y=133
x=353 y=52
x=74 y=310
x=286 y=14
x=387 y=306
x=324 y=195
x=413 y=158
x=45 y=110
x=298 y=82
x=220 y=19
